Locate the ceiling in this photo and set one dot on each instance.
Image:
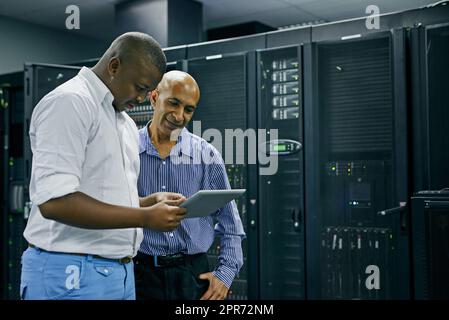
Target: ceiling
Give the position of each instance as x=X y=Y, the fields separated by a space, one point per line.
x=97 y=16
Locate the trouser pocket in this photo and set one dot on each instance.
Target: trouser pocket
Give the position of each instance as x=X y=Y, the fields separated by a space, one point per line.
x=62 y=277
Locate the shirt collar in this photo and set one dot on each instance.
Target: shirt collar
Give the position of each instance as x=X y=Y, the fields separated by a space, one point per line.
x=183 y=145
x=100 y=91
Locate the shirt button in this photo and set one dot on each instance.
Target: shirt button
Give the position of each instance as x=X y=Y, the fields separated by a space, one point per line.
x=171 y=234
x=163 y=162
x=163 y=187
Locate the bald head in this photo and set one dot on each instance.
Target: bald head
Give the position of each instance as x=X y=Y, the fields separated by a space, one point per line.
x=181 y=79
x=174 y=102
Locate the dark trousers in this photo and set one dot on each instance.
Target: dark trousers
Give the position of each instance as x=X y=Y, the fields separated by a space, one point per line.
x=172 y=282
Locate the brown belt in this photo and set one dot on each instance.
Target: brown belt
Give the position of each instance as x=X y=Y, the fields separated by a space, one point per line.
x=122 y=260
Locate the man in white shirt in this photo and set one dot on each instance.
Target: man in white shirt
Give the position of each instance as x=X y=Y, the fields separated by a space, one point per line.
x=86 y=219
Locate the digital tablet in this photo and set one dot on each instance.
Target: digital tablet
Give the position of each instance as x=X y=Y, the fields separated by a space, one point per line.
x=205 y=202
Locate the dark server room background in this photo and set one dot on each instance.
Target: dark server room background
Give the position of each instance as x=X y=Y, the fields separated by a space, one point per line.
x=362 y=184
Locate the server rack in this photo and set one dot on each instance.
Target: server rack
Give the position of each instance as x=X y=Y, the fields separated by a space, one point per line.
x=356 y=168
x=430 y=89
x=174 y=54
x=226 y=46
x=430 y=238
x=4 y=136
x=228 y=101
x=289 y=37
x=281 y=191
x=11 y=108
x=16 y=220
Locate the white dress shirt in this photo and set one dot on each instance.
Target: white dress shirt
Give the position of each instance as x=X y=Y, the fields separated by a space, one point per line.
x=80 y=143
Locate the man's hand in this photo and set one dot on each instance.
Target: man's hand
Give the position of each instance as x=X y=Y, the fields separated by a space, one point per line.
x=169 y=196
x=217 y=290
x=175 y=199
x=163 y=216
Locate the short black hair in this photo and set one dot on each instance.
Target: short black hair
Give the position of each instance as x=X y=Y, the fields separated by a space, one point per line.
x=138 y=44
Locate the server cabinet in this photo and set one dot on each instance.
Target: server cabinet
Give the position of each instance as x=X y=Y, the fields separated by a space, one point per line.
x=288 y=37
x=15 y=217
x=356 y=168
x=430 y=239
x=11 y=108
x=226 y=46
x=174 y=54
x=281 y=189
x=226 y=110
x=430 y=89
x=4 y=178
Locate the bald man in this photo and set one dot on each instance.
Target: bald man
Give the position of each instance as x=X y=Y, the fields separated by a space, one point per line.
x=86 y=217
x=173 y=265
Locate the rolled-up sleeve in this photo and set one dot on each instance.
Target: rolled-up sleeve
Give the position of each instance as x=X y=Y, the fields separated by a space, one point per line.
x=59 y=131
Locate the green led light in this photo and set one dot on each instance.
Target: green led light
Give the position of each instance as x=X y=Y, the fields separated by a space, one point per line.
x=10 y=242
x=11 y=163
x=279 y=147
x=333 y=168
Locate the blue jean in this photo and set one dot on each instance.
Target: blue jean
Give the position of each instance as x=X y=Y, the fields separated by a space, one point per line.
x=61 y=276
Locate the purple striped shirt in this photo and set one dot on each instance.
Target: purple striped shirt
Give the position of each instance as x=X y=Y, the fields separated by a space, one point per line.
x=193 y=164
